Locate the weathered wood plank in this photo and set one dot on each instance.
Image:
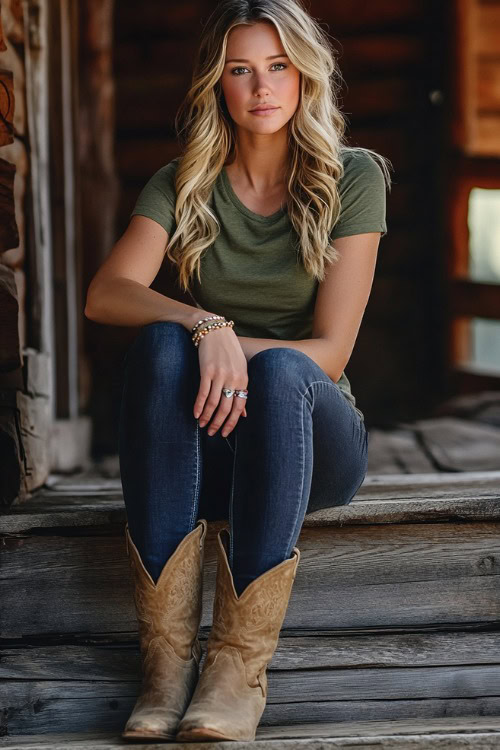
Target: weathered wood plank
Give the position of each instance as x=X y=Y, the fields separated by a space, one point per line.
x=39 y=707
x=105 y=659
x=336 y=685
x=397 y=450
x=36 y=59
x=483 y=741
x=459 y=444
x=387 y=498
x=353 y=576
x=35 y=419
x=461 y=732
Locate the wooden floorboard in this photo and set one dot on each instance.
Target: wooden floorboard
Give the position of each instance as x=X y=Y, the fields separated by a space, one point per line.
x=481 y=733
x=380 y=499
x=395 y=613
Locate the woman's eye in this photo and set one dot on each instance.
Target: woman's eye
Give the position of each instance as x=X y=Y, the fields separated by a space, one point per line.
x=234 y=70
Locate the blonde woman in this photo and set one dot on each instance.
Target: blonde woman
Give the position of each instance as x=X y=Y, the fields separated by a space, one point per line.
x=239 y=408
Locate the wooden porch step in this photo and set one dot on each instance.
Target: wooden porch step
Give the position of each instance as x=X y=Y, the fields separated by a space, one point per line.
x=474 y=732
x=394 y=614
x=92 y=500
x=315 y=676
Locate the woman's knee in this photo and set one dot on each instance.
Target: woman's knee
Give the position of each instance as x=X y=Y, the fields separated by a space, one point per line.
x=160 y=346
x=281 y=367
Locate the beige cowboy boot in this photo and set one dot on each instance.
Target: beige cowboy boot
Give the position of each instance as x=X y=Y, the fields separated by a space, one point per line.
x=230 y=696
x=168 y=614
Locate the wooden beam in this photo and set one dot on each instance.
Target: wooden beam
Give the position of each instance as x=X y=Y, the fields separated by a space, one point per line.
x=6 y=107
x=36 y=61
x=474 y=299
x=9 y=233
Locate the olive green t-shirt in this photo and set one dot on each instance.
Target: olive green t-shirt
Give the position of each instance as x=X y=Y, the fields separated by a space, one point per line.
x=252 y=273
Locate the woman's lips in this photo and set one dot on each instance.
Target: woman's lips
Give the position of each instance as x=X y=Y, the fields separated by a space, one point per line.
x=264 y=112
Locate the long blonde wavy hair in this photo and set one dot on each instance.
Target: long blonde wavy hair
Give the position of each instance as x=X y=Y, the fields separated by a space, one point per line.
x=316 y=135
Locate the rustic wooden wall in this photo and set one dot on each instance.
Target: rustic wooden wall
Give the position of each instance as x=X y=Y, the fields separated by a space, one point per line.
x=474 y=162
x=13 y=164
x=24 y=383
x=476 y=126
x=392 y=56
x=99 y=189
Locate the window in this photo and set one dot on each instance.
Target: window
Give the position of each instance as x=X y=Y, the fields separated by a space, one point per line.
x=484 y=235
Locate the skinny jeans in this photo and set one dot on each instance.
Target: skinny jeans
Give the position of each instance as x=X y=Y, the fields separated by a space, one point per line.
x=302 y=447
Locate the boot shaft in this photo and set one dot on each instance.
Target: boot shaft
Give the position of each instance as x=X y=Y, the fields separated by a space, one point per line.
x=171 y=607
x=251 y=622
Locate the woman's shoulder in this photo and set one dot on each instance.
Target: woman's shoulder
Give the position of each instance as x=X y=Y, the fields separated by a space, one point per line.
x=362 y=195
x=161 y=183
x=360 y=165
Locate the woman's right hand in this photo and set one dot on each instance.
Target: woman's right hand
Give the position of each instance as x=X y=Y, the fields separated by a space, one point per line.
x=222 y=365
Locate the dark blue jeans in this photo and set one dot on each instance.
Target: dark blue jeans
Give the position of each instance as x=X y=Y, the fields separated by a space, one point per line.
x=302 y=447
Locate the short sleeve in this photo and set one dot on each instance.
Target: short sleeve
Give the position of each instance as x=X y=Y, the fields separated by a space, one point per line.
x=157 y=198
x=362 y=193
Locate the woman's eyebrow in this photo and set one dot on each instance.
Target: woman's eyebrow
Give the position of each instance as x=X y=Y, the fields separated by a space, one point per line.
x=271 y=57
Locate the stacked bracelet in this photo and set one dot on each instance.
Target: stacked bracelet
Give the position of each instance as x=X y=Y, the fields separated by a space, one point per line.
x=199 y=333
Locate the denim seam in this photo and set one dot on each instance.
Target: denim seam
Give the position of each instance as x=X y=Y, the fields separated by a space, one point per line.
x=231 y=535
x=363 y=477
x=299 y=505
x=361 y=424
x=326 y=382
x=195 y=503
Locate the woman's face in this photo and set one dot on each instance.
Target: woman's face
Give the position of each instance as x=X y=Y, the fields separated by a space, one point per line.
x=251 y=79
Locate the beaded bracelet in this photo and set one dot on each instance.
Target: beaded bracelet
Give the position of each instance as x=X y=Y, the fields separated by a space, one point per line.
x=209 y=317
x=198 y=336
x=221 y=322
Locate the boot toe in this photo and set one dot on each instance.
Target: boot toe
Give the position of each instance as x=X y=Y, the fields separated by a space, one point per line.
x=148 y=731
x=197 y=734
x=223 y=684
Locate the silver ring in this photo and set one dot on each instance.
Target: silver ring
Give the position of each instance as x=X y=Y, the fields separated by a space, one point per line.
x=242 y=393
x=228 y=392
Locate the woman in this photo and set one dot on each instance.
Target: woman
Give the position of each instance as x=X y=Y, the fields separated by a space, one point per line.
x=247 y=215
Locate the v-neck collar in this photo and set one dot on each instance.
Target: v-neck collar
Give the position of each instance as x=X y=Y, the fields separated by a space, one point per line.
x=241 y=206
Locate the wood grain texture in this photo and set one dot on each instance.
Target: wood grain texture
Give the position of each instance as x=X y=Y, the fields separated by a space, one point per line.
x=74 y=706
x=393 y=615
x=115 y=657
x=88 y=499
x=379 y=575
x=481 y=733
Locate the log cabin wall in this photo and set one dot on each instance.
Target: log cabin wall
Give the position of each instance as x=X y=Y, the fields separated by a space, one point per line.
x=392 y=56
x=42 y=427
x=99 y=189
x=25 y=371
x=473 y=198
x=13 y=165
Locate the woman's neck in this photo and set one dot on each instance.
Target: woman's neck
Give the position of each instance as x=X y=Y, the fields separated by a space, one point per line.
x=262 y=166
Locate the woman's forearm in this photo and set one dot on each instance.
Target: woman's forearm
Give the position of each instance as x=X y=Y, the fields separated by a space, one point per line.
x=125 y=302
